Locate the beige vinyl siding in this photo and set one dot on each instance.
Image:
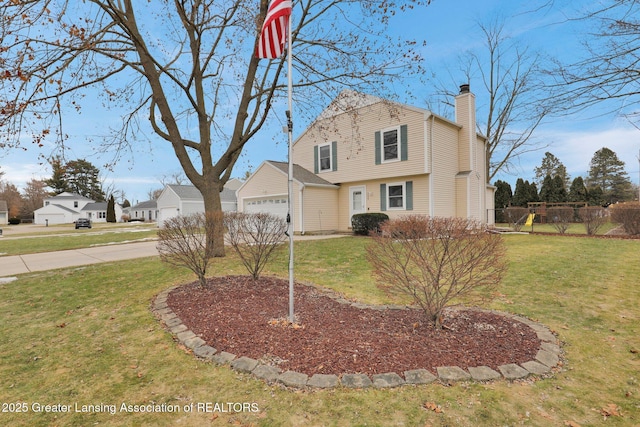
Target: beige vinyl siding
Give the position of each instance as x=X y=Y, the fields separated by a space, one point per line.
x=465 y=114
x=462 y=185
x=355 y=137
x=490 y=209
x=372 y=191
x=444 y=169
x=478 y=208
x=320 y=208
x=268 y=180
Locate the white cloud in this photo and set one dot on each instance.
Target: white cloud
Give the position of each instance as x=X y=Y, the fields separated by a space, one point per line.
x=576 y=149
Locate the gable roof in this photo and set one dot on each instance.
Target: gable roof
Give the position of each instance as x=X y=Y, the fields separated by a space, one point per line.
x=190 y=192
x=96 y=206
x=300 y=174
x=348 y=100
x=69 y=196
x=54 y=206
x=186 y=192
x=147 y=204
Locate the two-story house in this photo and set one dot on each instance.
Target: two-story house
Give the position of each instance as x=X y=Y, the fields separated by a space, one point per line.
x=366 y=154
x=66 y=208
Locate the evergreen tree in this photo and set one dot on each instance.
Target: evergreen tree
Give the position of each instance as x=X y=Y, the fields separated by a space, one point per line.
x=83 y=178
x=596 y=197
x=552 y=190
x=111 y=209
x=551 y=165
x=560 y=185
x=58 y=182
x=607 y=172
x=548 y=190
x=532 y=194
x=578 y=191
x=502 y=198
x=525 y=192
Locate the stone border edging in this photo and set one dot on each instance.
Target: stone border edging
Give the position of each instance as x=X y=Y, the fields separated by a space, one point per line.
x=547 y=358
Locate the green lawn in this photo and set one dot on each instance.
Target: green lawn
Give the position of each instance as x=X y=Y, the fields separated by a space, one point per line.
x=74 y=239
x=574 y=228
x=86 y=336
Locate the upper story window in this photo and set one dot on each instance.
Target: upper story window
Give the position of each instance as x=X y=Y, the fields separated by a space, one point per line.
x=75 y=204
x=390 y=145
x=324 y=157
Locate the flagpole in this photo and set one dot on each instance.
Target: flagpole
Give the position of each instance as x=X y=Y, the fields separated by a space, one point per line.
x=290 y=170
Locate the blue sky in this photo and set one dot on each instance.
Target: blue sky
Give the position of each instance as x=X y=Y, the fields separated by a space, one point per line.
x=450 y=29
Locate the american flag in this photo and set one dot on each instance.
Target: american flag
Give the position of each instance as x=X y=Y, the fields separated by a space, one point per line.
x=274 y=29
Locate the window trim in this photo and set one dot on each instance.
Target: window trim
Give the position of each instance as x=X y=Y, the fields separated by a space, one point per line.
x=330 y=168
x=398 y=144
x=407 y=196
x=404 y=196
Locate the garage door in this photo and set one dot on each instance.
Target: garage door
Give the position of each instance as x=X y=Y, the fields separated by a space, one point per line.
x=165 y=214
x=273 y=205
x=52 y=219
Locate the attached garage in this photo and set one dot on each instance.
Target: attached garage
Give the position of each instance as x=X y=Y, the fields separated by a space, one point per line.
x=275 y=205
x=314 y=202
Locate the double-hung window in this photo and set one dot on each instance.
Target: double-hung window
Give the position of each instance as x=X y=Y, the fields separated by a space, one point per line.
x=324 y=157
x=390 y=145
x=396 y=196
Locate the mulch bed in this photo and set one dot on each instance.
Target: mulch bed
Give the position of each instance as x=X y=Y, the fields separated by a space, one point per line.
x=249 y=318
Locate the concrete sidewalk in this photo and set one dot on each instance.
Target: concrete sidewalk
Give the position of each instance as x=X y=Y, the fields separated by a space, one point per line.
x=19 y=264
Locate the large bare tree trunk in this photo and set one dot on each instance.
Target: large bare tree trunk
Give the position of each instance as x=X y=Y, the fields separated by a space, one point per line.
x=215 y=229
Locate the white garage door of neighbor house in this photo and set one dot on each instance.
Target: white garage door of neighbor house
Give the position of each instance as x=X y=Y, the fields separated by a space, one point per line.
x=53 y=219
x=273 y=205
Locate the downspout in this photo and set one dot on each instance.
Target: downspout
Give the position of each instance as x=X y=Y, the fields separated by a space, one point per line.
x=301 y=209
x=430 y=142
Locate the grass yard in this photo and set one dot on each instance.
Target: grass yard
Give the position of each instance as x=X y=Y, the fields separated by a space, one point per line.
x=86 y=336
x=574 y=228
x=74 y=239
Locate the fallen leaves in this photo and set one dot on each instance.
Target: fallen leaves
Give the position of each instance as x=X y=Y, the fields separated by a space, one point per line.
x=285 y=323
x=611 y=410
x=431 y=406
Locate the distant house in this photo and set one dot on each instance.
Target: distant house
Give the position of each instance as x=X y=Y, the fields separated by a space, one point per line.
x=186 y=199
x=66 y=208
x=144 y=211
x=63 y=208
x=366 y=154
x=4 y=213
x=97 y=211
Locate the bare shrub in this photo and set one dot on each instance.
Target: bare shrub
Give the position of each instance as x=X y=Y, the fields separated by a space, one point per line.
x=593 y=218
x=560 y=217
x=516 y=216
x=627 y=215
x=255 y=237
x=438 y=262
x=183 y=242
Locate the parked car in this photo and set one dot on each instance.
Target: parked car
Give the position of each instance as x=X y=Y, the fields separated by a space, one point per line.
x=83 y=223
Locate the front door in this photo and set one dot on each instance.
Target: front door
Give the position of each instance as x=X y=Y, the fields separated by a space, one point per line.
x=357 y=199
